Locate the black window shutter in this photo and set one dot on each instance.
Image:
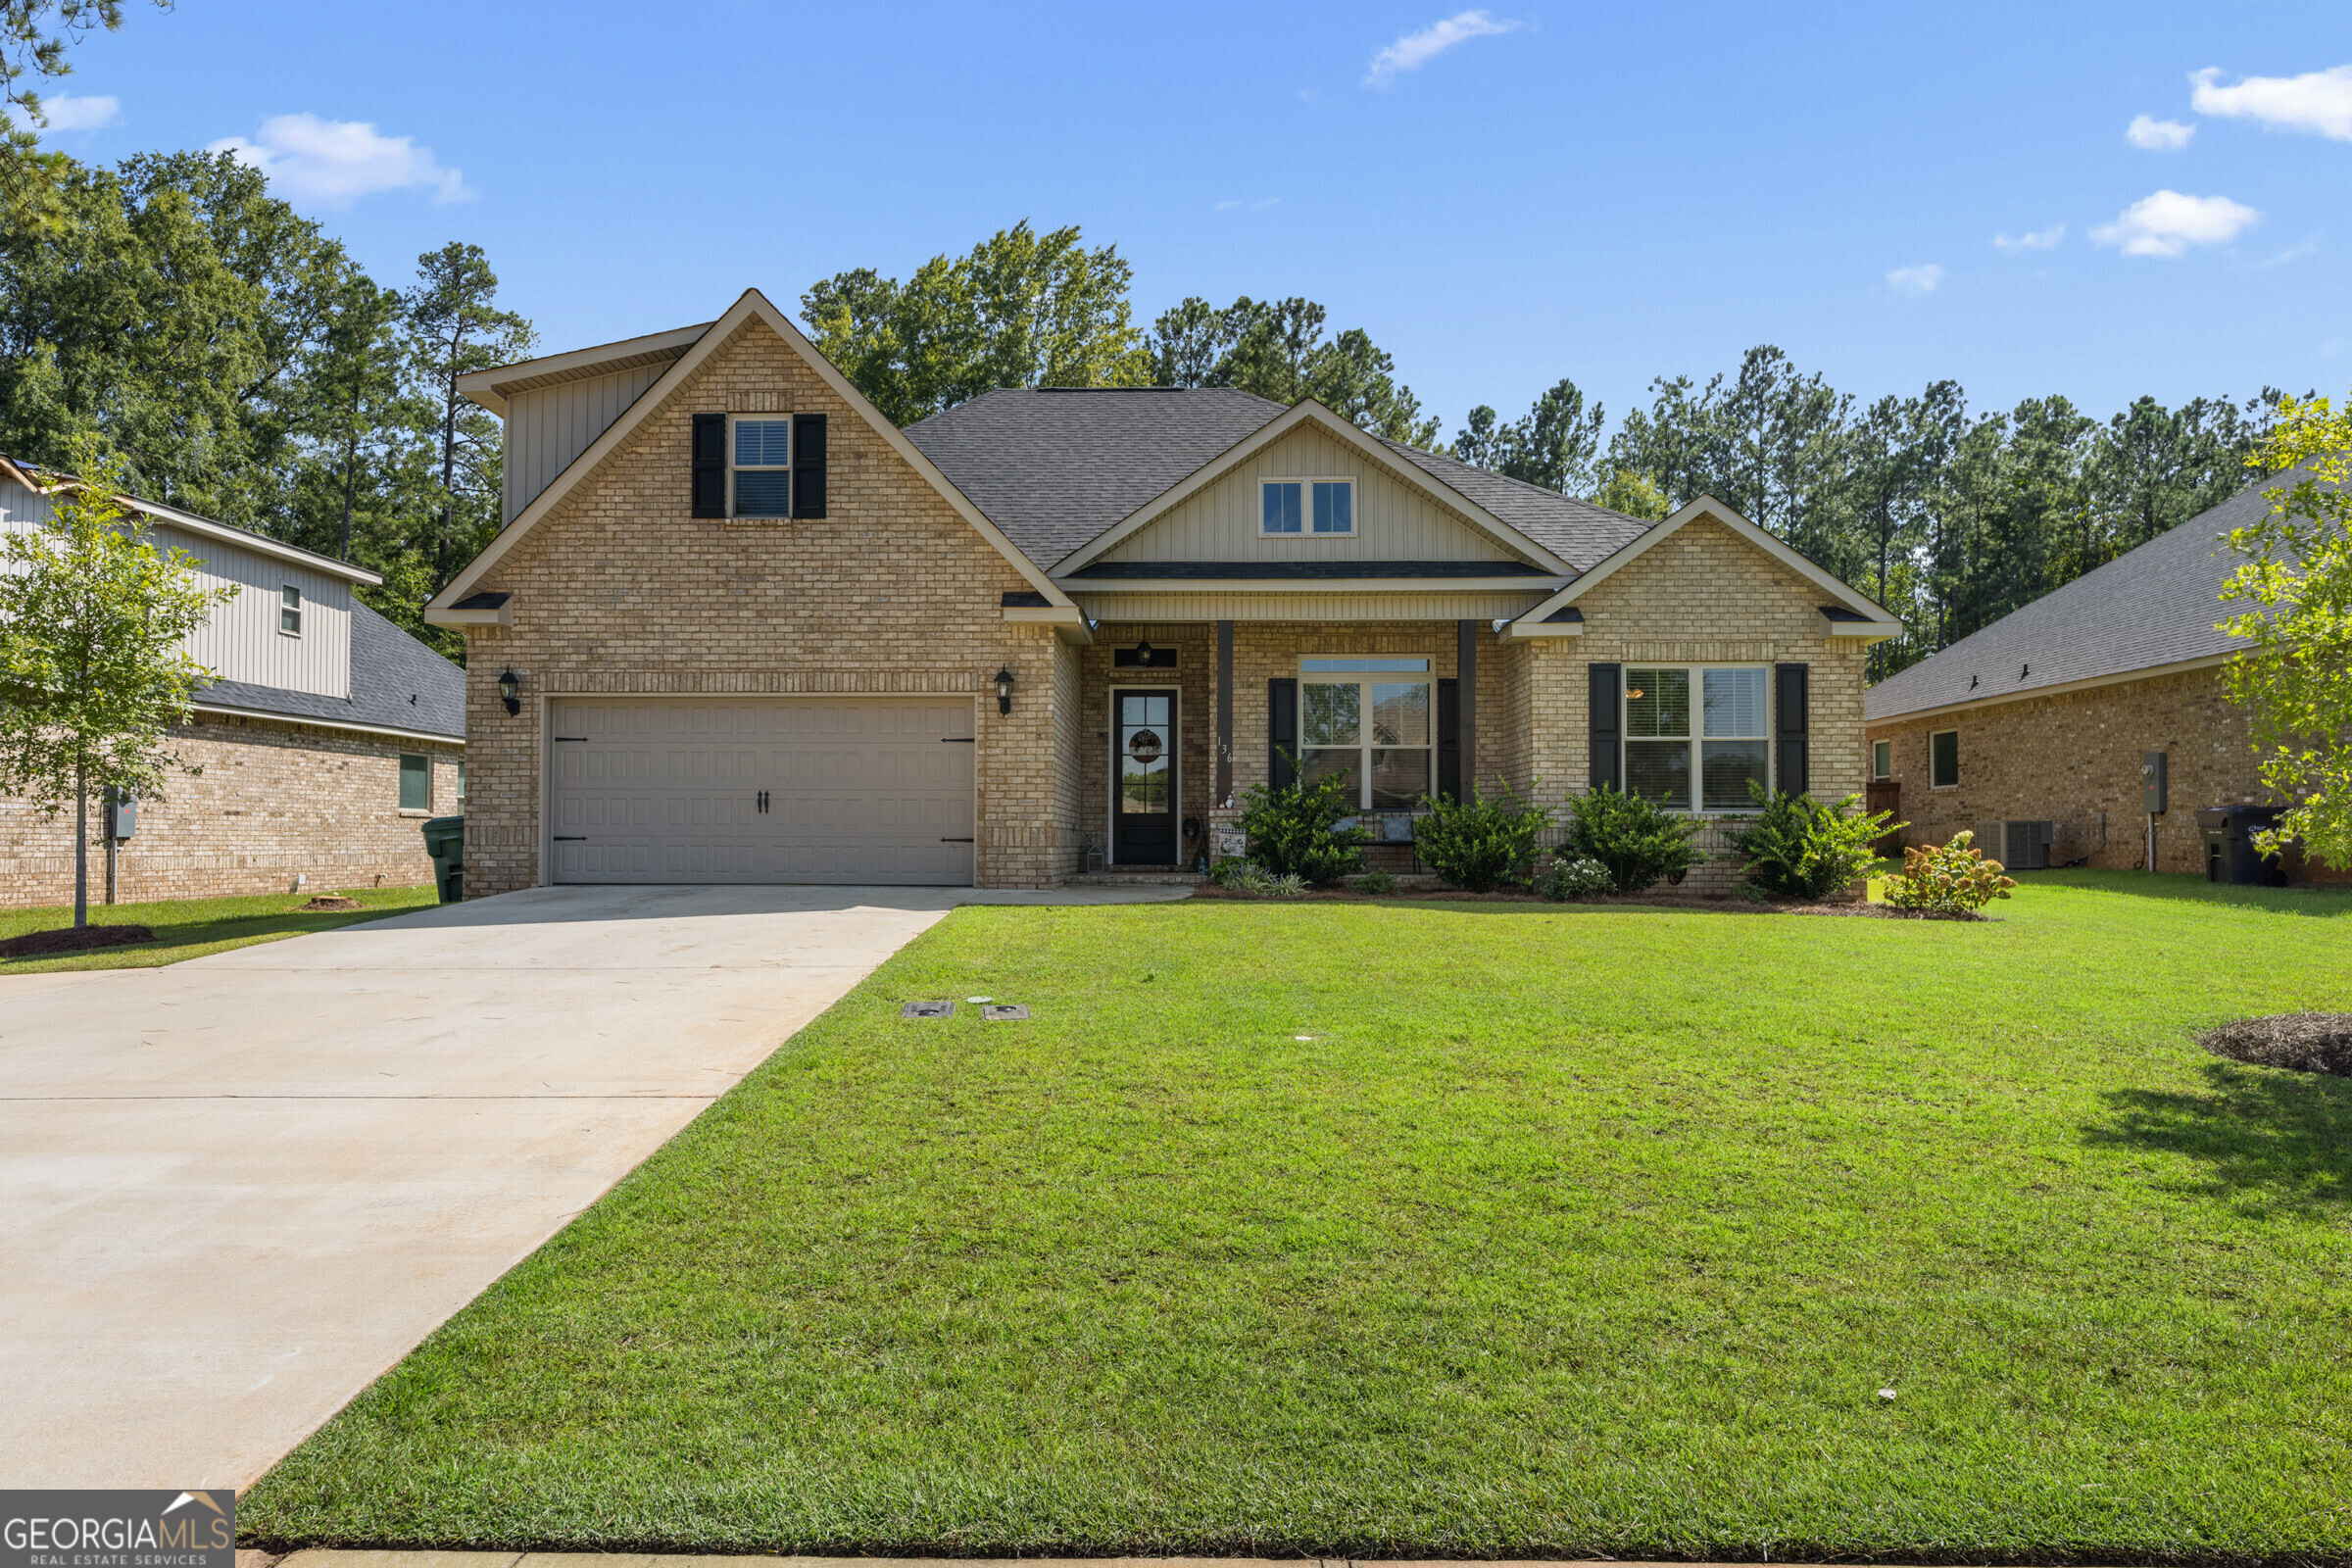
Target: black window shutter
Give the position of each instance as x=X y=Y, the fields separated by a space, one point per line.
x=710 y=465
x=1450 y=739
x=1790 y=681
x=807 y=465
x=1282 y=732
x=1605 y=685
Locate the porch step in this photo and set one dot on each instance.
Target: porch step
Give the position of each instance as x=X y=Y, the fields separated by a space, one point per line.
x=1136 y=879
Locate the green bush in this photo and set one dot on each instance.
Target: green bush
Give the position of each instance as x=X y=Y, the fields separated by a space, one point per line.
x=1568 y=877
x=1797 y=847
x=1242 y=877
x=1638 y=843
x=1378 y=883
x=1295 y=831
x=1482 y=843
x=1230 y=871
x=1948 y=879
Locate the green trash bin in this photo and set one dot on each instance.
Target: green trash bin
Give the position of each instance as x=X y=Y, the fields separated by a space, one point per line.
x=445 y=842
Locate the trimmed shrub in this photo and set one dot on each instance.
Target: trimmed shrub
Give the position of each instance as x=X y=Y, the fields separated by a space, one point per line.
x=1566 y=878
x=1482 y=843
x=1295 y=831
x=1637 y=841
x=1800 y=848
x=1950 y=879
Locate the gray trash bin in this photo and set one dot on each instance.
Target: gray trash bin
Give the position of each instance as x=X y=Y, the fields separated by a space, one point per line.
x=445 y=842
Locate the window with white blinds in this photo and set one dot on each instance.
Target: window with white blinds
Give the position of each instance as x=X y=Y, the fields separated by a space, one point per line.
x=1696 y=736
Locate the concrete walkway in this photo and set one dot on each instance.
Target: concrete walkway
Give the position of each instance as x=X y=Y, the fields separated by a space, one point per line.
x=236 y=1190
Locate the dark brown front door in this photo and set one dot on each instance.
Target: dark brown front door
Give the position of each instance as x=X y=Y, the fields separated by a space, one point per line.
x=1143 y=776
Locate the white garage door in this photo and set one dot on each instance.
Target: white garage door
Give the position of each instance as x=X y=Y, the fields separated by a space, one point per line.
x=762 y=789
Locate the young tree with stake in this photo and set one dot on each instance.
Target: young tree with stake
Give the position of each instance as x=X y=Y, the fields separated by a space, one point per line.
x=93 y=673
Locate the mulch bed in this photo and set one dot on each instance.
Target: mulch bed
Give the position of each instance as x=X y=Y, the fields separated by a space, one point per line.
x=330 y=901
x=2304 y=1042
x=34 y=944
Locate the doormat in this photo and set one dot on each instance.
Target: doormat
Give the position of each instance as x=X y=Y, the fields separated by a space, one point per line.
x=928 y=1010
x=1005 y=1010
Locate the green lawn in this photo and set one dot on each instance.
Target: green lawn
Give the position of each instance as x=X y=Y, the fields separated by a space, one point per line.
x=189 y=928
x=1409 y=1229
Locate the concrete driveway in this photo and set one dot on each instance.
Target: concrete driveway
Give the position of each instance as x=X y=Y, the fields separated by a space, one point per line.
x=236 y=1190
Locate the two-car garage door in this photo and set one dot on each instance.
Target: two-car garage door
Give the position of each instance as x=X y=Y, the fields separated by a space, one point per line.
x=762 y=789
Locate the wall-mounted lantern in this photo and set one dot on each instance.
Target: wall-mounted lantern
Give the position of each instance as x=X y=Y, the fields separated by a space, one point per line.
x=508 y=683
x=1004 y=689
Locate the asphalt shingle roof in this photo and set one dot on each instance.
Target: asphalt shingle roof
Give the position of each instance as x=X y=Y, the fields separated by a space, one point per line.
x=396 y=683
x=2154 y=605
x=1054 y=469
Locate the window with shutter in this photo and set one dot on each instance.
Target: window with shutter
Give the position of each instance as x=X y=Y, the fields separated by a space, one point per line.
x=809 y=465
x=1282 y=732
x=1602 y=732
x=709 y=497
x=1793 y=696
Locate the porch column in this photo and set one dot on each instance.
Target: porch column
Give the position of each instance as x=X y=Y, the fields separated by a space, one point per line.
x=1465 y=671
x=1224 y=770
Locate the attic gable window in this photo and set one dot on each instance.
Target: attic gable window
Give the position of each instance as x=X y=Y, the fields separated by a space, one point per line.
x=289 y=611
x=761 y=470
x=1303 y=507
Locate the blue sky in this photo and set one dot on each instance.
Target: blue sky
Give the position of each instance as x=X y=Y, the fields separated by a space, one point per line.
x=1501 y=196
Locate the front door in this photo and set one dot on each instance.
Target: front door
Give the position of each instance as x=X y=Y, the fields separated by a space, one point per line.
x=1143 y=770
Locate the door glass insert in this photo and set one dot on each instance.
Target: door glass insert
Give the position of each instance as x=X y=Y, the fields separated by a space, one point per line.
x=1146 y=755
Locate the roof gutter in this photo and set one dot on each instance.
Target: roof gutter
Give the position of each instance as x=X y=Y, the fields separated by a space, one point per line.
x=2059 y=688
x=326 y=723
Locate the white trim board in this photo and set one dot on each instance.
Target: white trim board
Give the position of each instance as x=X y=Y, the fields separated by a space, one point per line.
x=1310 y=411
x=458 y=741
x=750 y=306
x=207 y=528
x=488 y=388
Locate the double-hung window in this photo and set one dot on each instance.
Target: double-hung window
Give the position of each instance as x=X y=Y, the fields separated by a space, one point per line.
x=761 y=470
x=1697 y=735
x=1373 y=717
x=416 y=782
x=289 y=611
x=1881 y=759
x=1944 y=760
x=1304 y=507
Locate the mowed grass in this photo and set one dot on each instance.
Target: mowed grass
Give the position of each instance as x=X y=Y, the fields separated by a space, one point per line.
x=1464 y=1230
x=189 y=928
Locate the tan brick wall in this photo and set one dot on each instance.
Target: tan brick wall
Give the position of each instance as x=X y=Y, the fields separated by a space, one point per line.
x=275 y=801
x=2070 y=757
x=619 y=590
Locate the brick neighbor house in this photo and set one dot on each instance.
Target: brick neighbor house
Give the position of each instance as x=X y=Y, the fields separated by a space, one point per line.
x=2031 y=732
x=325 y=737
x=740 y=629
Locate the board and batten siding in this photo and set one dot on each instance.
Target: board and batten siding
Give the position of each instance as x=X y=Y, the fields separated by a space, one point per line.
x=1393 y=520
x=241 y=640
x=550 y=426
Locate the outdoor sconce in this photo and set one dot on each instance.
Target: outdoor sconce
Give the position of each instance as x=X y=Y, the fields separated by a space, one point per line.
x=1003 y=689
x=508 y=683
x=1143 y=653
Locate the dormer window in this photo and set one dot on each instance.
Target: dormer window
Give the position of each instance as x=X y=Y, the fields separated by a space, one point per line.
x=1307 y=507
x=289 y=611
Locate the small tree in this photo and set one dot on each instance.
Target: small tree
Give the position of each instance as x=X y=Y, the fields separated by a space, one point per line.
x=92 y=670
x=2297 y=682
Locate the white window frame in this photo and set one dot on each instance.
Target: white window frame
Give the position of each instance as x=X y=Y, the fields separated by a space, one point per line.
x=289 y=609
x=1307 y=505
x=1363 y=680
x=791 y=451
x=1882 y=750
x=1955 y=735
x=1694 y=804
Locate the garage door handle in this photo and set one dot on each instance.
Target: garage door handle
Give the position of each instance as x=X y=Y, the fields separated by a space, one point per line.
x=571 y=838
x=959 y=740
x=955 y=841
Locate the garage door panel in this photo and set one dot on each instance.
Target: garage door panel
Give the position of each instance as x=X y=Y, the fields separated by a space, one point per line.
x=858 y=790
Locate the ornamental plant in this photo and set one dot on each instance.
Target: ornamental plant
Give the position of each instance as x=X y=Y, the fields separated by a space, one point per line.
x=1948 y=879
x=1567 y=878
x=1798 y=848
x=1638 y=841
x=1295 y=830
x=1482 y=843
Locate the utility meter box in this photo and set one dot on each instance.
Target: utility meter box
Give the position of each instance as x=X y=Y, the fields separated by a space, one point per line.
x=2152 y=783
x=122 y=815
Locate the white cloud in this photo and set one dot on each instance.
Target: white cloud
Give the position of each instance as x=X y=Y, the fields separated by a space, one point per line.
x=335 y=162
x=1416 y=49
x=2169 y=223
x=2157 y=136
x=68 y=113
x=2317 y=100
x=1919 y=279
x=2040 y=239
x=2293 y=253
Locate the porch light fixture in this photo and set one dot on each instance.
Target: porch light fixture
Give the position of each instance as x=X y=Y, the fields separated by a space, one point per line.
x=1003 y=689
x=508 y=683
x=1143 y=653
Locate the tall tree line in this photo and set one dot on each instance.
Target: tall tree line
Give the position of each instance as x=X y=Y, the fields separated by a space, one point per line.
x=243 y=366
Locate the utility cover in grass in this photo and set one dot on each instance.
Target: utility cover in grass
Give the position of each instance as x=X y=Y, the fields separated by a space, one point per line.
x=2306 y=1042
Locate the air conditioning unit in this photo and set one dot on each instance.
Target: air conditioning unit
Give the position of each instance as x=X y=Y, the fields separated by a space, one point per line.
x=2026 y=846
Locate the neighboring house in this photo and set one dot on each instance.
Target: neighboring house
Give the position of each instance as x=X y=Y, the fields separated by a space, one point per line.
x=2031 y=732
x=757 y=634
x=328 y=734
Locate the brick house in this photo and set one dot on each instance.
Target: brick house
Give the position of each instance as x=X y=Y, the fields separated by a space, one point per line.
x=326 y=736
x=2032 y=731
x=738 y=627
